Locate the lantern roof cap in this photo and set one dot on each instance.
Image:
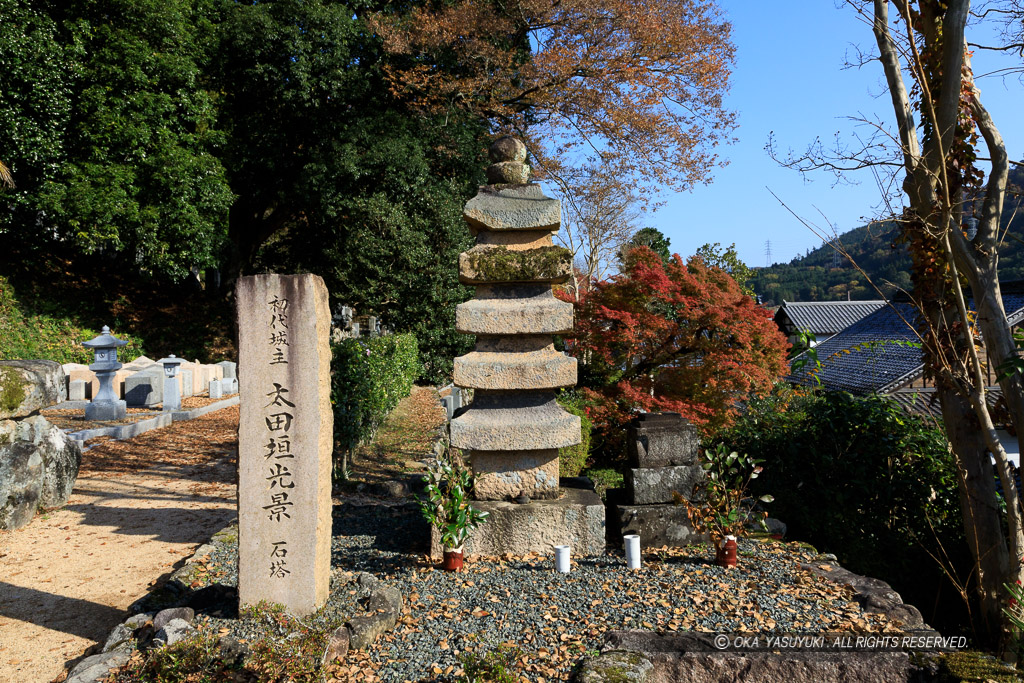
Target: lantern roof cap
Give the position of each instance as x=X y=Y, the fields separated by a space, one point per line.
x=105 y=340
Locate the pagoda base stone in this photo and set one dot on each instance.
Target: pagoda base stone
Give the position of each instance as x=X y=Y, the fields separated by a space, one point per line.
x=576 y=519
x=105 y=411
x=505 y=475
x=657 y=525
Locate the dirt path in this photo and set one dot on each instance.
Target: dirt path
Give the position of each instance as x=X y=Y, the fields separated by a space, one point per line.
x=138 y=508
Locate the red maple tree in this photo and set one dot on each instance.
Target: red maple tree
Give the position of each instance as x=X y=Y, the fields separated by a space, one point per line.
x=675 y=336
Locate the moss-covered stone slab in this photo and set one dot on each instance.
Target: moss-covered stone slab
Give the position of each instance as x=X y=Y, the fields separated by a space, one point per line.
x=483 y=265
x=519 y=207
x=27 y=386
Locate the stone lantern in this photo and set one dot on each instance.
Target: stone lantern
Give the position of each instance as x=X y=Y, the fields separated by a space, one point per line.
x=172 y=392
x=105 y=404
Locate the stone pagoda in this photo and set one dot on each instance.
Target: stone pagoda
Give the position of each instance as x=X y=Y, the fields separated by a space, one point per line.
x=513 y=429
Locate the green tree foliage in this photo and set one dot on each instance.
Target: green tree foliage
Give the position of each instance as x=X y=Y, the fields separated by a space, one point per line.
x=336 y=177
x=653 y=239
x=859 y=477
x=728 y=260
x=131 y=172
x=37 y=72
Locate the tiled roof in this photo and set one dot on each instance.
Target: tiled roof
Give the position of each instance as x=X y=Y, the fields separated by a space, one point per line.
x=878 y=353
x=824 y=317
x=926 y=401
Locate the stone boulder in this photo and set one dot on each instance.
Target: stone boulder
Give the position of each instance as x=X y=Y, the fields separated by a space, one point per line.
x=27 y=386
x=21 y=483
x=38 y=468
x=61 y=455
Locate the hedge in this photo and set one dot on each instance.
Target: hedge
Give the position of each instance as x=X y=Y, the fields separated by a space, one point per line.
x=368 y=379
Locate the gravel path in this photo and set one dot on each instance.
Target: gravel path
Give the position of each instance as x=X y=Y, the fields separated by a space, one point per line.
x=555 y=618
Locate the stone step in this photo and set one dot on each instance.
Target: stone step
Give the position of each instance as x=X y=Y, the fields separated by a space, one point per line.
x=488 y=264
x=544 y=369
x=512 y=208
x=514 y=421
x=657 y=484
x=536 y=315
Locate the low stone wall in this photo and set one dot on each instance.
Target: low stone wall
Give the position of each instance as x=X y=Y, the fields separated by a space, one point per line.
x=647 y=657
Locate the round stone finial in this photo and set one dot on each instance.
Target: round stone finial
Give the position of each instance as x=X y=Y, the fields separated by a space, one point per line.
x=105 y=330
x=507 y=148
x=509 y=167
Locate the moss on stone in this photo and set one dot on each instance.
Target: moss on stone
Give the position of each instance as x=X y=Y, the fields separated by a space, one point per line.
x=12 y=389
x=498 y=264
x=970 y=665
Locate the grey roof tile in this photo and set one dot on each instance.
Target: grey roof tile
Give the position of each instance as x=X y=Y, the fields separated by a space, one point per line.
x=878 y=353
x=825 y=317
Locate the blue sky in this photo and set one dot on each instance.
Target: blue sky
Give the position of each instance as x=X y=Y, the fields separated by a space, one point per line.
x=790 y=78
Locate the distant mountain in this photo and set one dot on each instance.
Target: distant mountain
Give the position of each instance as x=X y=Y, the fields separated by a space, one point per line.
x=825 y=275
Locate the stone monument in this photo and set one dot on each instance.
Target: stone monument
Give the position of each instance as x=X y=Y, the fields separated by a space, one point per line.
x=513 y=429
x=285 y=439
x=663 y=450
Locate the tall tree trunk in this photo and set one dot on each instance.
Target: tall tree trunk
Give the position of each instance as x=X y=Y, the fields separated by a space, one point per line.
x=982 y=525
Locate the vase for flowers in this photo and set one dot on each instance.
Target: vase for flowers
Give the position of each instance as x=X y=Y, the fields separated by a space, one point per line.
x=725 y=552
x=452 y=559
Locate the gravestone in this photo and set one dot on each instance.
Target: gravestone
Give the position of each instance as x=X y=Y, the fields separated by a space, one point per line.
x=215 y=389
x=229 y=368
x=285 y=438
x=663 y=450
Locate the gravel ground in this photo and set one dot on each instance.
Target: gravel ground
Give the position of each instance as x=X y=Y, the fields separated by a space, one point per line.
x=552 y=618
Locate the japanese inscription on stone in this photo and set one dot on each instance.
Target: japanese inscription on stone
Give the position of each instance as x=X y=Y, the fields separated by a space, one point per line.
x=285 y=438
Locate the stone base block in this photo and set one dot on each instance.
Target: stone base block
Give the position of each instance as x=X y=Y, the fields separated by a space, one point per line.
x=103 y=412
x=505 y=475
x=657 y=525
x=576 y=519
x=657 y=484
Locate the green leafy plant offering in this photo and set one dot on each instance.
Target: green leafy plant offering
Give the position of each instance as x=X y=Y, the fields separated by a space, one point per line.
x=720 y=511
x=449 y=484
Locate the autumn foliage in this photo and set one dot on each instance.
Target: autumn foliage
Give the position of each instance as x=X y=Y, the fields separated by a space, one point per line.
x=679 y=337
x=640 y=80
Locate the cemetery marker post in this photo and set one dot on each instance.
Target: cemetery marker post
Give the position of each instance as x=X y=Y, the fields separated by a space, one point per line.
x=285 y=439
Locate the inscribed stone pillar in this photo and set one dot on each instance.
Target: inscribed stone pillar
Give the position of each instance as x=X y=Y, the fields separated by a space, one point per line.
x=514 y=428
x=285 y=438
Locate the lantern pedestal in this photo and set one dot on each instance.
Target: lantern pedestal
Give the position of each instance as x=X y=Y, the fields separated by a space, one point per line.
x=106 y=411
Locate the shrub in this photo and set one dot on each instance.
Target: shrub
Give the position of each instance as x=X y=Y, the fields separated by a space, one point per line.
x=572 y=459
x=368 y=379
x=853 y=475
x=48 y=337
